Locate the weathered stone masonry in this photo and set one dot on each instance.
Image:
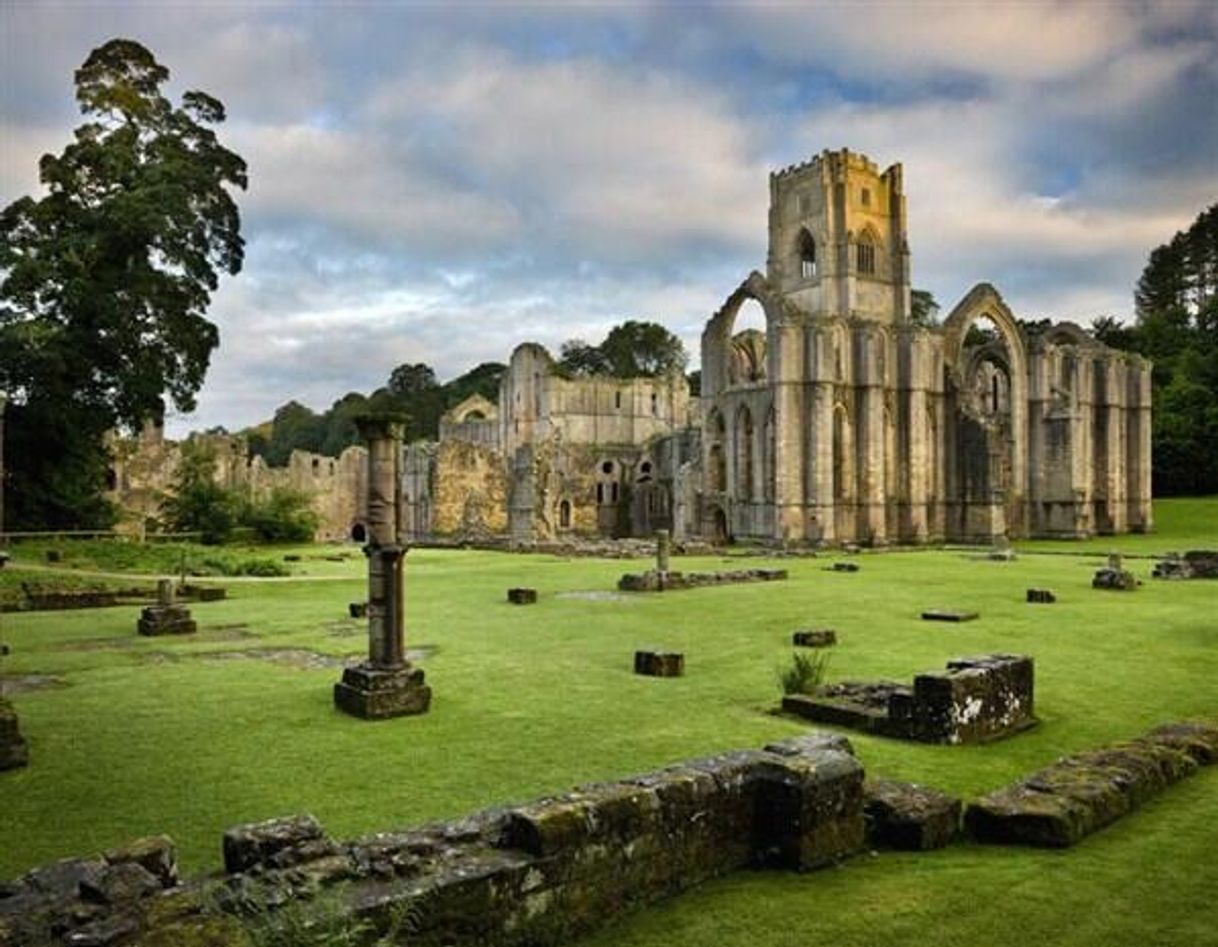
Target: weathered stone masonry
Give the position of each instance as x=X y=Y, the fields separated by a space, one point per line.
x=535 y=874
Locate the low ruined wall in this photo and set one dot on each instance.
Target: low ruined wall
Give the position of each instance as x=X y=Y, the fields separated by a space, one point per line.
x=535 y=874
x=972 y=701
x=1082 y=793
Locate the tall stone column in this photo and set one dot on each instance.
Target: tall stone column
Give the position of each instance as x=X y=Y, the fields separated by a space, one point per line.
x=386 y=685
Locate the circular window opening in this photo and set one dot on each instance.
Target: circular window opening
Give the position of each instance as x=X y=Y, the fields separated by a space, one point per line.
x=607 y=467
x=646 y=468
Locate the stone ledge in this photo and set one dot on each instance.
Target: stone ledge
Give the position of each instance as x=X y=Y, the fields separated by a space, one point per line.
x=653 y=581
x=1080 y=794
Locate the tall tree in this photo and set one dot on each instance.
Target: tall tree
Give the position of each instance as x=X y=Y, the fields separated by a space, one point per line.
x=107 y=278
x=643 y=349
x=1177 y=325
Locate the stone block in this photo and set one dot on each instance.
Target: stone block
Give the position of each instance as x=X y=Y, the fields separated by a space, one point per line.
x=949 y=614
x=1080 y=794
x=1116 y=580
x=908 y=816
x=845 y=567
x=814 y=638
x=1041 y=597
x=357 y=609
x=156 y=854
x=14 y=751
x=246 y=846
x=522 y=596
x=166 y=620
x=809 y=810
x=120 y=884
x=1196 y=738
x=659 y=663
x=377 y=693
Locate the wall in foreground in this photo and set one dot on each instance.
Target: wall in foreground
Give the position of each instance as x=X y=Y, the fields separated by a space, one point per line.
x=536 y=874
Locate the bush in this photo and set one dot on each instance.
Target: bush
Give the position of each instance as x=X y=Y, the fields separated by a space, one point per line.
x=286 y=516
x=805 y=673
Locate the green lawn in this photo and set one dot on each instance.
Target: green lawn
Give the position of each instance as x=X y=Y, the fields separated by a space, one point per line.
x=155 y=736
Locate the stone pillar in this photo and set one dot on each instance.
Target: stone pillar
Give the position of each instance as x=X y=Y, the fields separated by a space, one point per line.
x=663 y=550
x=14 y=751
x=385 y=685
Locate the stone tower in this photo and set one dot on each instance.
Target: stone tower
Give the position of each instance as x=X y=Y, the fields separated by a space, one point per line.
x=838 y=241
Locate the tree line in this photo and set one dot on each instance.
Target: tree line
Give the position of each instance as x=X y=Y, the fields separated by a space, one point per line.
x=1176 y=300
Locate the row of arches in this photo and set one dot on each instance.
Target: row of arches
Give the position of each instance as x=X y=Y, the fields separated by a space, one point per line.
x=752 y=449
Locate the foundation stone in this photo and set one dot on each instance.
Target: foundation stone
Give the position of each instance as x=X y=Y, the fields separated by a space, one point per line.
x=165 y=618
x=814 y=638
x=974 y=700
x=659 y=663
x=908 y=816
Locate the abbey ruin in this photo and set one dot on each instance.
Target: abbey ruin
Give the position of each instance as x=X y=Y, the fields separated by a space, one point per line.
x=842 y=421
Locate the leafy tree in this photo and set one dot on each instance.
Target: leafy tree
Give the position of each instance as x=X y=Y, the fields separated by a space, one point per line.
x=106 y=279
x=294 y=427
x=923 y=308
x=578 y=359
x=411 y=380
x=197 y=504
x=285 y=516
x=481 y=380
x=643 y=349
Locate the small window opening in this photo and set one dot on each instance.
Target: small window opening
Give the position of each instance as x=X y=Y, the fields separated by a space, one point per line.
x=655 y=404
x=994 y=393
x=600 y=493
x=646 y=467
x=564 y=514
x=866 y=196
x=866 y=258
x=613 y=490
x=807 y=255
x=607 y=467
x=617 y=399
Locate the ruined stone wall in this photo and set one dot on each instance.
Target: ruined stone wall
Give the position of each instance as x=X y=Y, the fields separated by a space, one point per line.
x=535 y=874
x=470 y=490
x=143 y=471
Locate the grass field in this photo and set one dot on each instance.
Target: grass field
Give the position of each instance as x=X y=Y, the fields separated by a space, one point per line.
x=188 y=737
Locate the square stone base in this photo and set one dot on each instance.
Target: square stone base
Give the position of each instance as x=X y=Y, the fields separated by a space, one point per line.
x=377 y=693
x=166 y=620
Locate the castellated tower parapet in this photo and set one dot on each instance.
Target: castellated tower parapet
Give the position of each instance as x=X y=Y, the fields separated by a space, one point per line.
x=838 y=237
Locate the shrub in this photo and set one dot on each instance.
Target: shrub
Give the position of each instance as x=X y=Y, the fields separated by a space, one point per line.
x=804 y=674
x=285 y=516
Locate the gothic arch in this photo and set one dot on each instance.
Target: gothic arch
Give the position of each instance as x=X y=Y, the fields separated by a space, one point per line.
x=983 y=300
x=717 y=347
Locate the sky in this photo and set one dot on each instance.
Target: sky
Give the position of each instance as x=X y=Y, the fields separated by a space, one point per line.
x=439 y=182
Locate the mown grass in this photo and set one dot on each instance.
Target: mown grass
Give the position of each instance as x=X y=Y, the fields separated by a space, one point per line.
x=153 y=736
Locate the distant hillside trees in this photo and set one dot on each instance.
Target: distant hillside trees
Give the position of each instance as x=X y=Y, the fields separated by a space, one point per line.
x=1177 y=325
x=411 y=389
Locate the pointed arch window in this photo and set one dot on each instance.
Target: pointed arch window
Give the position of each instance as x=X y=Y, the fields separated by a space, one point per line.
x=865 y=255
x=807 y=255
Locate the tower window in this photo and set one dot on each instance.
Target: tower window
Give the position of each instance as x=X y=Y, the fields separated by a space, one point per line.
x=807 y=255
x=655 y=404
x=617 y=399
x=866 y=257
x=866 y=197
